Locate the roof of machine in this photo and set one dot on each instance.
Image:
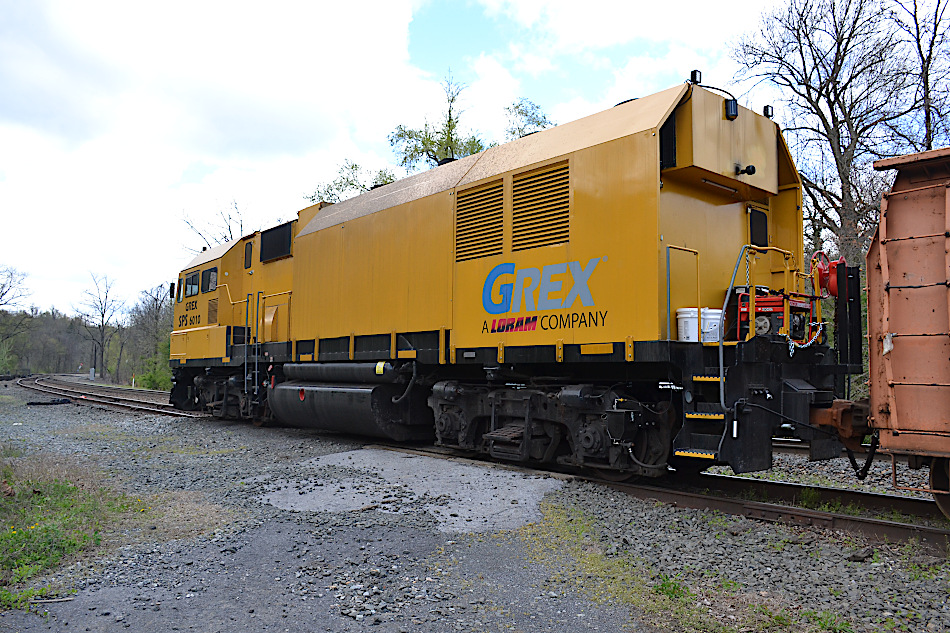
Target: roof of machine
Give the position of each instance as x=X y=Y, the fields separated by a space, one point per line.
x=627 y=118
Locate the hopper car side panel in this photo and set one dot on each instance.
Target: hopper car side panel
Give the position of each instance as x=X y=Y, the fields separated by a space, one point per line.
x=908 y=319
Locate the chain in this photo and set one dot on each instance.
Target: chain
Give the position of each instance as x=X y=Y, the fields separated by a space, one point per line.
x=748 y=282
x=793 y=345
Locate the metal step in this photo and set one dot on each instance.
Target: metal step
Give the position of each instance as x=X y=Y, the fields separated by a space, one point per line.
x=701 y=445
x=705 y=416
x=705 y=378
x=512 y=434
x=688 y=452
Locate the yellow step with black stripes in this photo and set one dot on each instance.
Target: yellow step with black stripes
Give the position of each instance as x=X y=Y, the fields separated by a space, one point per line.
x=700 y=454
x=706 y=378
x=696 y=415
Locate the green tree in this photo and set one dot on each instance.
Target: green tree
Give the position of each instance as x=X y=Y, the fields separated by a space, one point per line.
x=8 y=360
x=525 y=117
x=149 y=330
x=351 y=180
x=436 y=142
x=429 y=145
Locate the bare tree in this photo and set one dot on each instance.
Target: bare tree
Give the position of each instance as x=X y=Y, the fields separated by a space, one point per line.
x=840 y=64
x=121 y=334
x=12 y=290
x=227 y=227
x=12 y=293
x=151 y=319
x=99 y=311
x=924 y=29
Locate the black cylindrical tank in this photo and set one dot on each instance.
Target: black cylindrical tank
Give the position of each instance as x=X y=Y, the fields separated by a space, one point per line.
x=380 y=372
x=358 y=409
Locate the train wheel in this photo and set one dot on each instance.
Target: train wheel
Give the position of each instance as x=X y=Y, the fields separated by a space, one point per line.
x=940 y=480
x=615 y=476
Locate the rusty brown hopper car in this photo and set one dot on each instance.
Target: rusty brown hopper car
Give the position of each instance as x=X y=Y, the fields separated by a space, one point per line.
x=908 y=267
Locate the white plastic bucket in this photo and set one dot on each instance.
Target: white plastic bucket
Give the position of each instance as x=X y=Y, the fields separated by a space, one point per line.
x=687 y=324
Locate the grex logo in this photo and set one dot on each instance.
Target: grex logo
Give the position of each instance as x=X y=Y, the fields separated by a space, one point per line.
x=532 y=288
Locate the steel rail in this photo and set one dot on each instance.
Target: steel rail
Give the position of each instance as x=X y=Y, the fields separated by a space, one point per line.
x=799 y=447
x=80 y=397
x=100 y=391
x=794 y=493
x=82 y=379
x=124 y=393
x=932 y=538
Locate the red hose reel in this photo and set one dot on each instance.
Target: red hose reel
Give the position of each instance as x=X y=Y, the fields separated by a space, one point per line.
x=827 y=272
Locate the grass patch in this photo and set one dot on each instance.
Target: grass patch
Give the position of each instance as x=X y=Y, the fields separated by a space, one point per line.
x=50 y=510
x=830 y=622
x=567 y=541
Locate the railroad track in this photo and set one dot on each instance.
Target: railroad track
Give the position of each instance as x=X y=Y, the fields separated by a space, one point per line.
x=72 y=381
x=142 y=400
x=931 y=537
x=799 y=447
x=721 y=493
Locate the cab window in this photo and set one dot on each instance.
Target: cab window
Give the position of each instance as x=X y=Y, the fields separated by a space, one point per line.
x=248 y=253
x=181 y=290
x=191 y=285
x=209 y=279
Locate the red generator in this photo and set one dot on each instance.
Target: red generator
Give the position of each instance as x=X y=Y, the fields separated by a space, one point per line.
x=770 y=314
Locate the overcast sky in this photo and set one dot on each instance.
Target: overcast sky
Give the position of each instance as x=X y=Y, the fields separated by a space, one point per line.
x=119 y=118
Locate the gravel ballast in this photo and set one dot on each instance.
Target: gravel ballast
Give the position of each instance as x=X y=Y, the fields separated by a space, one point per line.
x=251 y=529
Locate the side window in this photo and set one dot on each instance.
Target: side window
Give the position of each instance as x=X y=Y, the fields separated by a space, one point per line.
x=758 y=228
x=209 y=279
x=277 y=242
x=191 y=285
x=248 y=252
x=181 y=290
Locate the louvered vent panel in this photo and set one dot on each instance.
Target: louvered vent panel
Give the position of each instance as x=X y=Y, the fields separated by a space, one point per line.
x=212 y=311
x=478 y=222
x=541 y=207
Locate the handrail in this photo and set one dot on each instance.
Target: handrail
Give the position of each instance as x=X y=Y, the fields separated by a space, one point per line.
x=247 y=332
x=232 y=301
x=751 y=268
x=699 y=305
x=816 y=287
x=744 y=253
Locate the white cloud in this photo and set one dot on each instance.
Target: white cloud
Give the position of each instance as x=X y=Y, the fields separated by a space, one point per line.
x=117 y=117
x=493 y=89
x=526 y=61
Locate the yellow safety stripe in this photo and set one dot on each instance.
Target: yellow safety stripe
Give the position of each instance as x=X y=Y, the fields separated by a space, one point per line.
x=695 y=454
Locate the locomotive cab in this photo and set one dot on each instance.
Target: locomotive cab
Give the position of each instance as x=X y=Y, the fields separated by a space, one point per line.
x=232 y=322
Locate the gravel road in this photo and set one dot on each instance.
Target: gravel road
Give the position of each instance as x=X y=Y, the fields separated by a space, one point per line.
x=273 y=529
